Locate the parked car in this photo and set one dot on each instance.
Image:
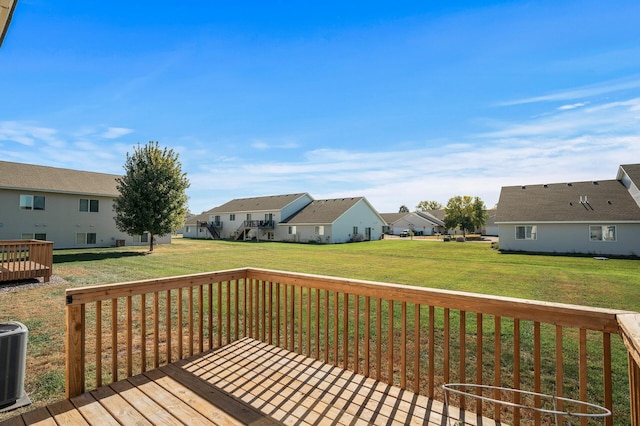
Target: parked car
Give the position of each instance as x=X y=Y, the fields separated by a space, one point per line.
x=405 y=233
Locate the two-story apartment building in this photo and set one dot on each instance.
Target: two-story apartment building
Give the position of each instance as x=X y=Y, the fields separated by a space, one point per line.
x=72 y=208
x=289 y=217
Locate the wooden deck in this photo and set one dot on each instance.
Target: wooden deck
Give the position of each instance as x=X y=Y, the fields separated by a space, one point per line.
x=247 y=382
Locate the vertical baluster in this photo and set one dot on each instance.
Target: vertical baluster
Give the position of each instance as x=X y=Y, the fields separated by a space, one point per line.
x=516 y=370
x=168 y=319
x=237 y=309
x=168 y=311
x=264 y=311
x=326 y=326
x=246 y=308
x=416 y=352
x=300 y=323
x=270 y=303
x=378 y=338
x=497 y=353
x=345 y=331
x=114 y=340
x=156 y=332
x=278 y=309
x=559 y=369
x=403 y=347
x=432 y=351
x=219 y=313
x=390 y=339
x=537 y=385
x=335 y=328
x=285 y=313
x=190 y=318
x=317 y=323
x=463 y=354
x=210 y=314
x=583 y=374
x=367 y=334
x=250 y=303
x=179 y=324
x=308 y=322
x=143 y=333
x=607 y=374
x=356 y=334
x=479 y=353
x=292 y=319
x=129 y=335
x=447 y=345
x=200 y=318
x=228 y=283
x=98 y=343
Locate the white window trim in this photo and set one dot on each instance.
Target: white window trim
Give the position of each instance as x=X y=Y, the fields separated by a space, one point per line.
x=533 y=233
x=602 y=229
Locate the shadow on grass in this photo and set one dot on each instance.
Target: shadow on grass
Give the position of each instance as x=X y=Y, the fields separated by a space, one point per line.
x=91 y=256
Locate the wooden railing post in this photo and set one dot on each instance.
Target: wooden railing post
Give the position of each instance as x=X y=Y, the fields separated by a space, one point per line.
x=75 y=330
x=630 y=331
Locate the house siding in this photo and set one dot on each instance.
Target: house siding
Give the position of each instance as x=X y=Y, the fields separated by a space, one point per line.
x=62 y=220
x=360 y=215
x=572 y=238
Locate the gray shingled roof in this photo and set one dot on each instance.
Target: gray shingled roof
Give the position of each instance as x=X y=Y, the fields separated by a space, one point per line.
x=608 y=200
x=270 y=202
x=29 y=177
x=633 y=171
x=393 y=217
x=323 y=211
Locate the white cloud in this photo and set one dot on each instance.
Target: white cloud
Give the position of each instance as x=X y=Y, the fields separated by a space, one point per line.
x=116 y=132
x=26 y=133
x=265 y=145
x=572 y=106
x=579 y=92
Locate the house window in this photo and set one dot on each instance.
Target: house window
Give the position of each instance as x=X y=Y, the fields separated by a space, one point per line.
x=89 y=205
x=319 y=230
x=605 y=233
x=31 y=202
x=292 y=230
x=270 y=236
x=248 y=217
x=85 y=238
x=232 y=217
x=187 y=229
x=355 y=230
x=526 y=232
x=144 y=238
x=36 y=236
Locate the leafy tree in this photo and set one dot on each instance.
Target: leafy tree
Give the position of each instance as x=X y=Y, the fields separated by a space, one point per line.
x=403 y=209
x=428 y=205
x=465 y=212
x=152 y=194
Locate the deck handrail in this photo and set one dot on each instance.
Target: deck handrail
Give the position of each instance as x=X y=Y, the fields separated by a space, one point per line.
x=462 y=337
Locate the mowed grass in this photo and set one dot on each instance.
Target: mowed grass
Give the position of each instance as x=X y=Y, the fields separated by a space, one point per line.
x=473 y=267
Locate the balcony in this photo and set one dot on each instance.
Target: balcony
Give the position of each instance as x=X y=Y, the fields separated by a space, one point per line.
x=252 y=345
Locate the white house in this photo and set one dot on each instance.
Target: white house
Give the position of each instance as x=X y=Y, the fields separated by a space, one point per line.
x=338 y=220
x=289 y=217
x=421 y=223
x=71 y=208
x=592 y=217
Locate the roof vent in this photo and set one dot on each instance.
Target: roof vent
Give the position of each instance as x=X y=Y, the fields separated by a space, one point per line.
x=523 y=187
x=609 y=202
x=595 y=182
x=545 y=185
x=569 y=184
x=570 y=203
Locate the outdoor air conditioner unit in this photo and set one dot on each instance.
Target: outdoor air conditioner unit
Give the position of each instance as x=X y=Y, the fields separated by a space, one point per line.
x=13 y=362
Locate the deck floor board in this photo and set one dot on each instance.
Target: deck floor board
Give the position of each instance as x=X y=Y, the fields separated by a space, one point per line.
x=248 y=382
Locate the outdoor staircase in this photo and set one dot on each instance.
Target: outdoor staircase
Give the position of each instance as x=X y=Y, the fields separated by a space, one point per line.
x=211 y=227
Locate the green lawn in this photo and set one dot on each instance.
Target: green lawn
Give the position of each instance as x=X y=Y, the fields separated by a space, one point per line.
x=473 y=267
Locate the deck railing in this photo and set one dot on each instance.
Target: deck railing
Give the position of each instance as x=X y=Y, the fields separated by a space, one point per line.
x=23 y=259
x=412 y=337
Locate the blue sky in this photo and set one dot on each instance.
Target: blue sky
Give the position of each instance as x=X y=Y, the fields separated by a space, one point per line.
x=395 y=101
